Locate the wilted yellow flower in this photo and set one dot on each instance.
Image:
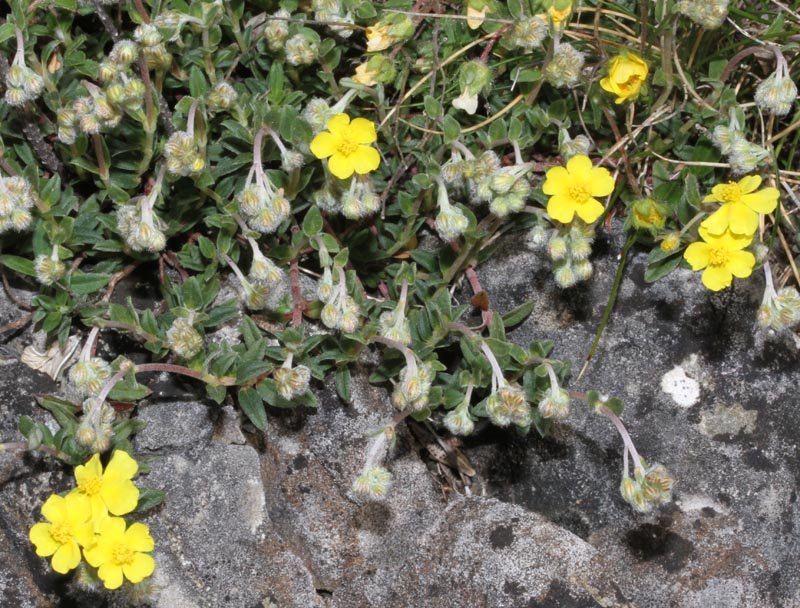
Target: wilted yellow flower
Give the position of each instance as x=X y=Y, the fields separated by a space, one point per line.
x=364 y=75
x=557 y=16
x=741 y=205
x=626 y=75
x=475 y=17
x=118 y=552
x=378 y=38
x=67 y=529
x=722 y=257
x=346 y=146
x=573 y=189
x=111 y=490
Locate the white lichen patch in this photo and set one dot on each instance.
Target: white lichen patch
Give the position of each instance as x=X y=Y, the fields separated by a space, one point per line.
x=685 y=391
x=728 y=420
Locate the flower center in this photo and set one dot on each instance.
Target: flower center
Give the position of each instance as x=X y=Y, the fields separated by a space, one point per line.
x=579 y=193
x=717 y=257
x=121 y=555
x=61 y=533
x=345 y=147
x=90 y=486
x=730 y=193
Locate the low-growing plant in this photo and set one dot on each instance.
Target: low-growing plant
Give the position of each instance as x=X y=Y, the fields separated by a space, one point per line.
x=238 y=152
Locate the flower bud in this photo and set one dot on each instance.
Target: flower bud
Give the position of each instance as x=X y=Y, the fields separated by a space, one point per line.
x=647 y=214
x=292 y=382
x=277 y=30
x=451 y=222
x=473 y=77
x=124 y=52
x=746 y=156
x=555 y=404
x=107 y=71
x=183 y=155
x=183 y=339
x=222 y=97
x=708 y=13
x=528 y=33
x=301 y=50
x=388 y=31
x=147 y=35
x=557 y=247
x=373 y=484
x=89 y=375
x=777 y=93
x=781 y=311
x=459 y=422
x=570 y=147
x=564 y=274
x=115 y=93
x=48 y=270
x=670 y=242
x=412 y=390
x=565 y=67
x=331 y=316
x=508 y=405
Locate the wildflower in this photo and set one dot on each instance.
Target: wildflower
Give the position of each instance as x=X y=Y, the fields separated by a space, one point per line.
x=110 y=490
x=391 y=29
x=572 y=190
x=538 y=238
x=88 y=375
x=301 y=50
x=777 y=92
x=378 y=68
x=565 y=67
x=476 y=12
x=374 y=483
x=721 y=256
x=346 y=146
x=670 y=242
x=183 y=155
x=119 y=552
x=647 y=214
x=276 y=31
x=67 y=529
x=741 y=204
x=473 y=77
x=626 y=75
x=781 y=310
x=558 y=12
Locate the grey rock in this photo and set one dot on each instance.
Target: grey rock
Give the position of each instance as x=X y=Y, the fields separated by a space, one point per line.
x=173 y=424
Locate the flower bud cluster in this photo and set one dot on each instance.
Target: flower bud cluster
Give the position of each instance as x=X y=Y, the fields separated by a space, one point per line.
x=373 y=484
x=95 y=429
x=16 y=201
x=569 y=147
x=152 y=46
x=183 y=154
x=708 y=13
x=276 y=31
x=301 y=49
x=569 y=249
x=528 y=33
x=565 y=67
x=780 y=310
x=318 y=112
x=89 y=375
x=332 y=10
x=458 y=420
x=393 y=324
x=183 y=339
x=266 y=283
x=451 y=222
x=414 y=387
x=554 y=404
x=744 y=156
x=22 y=83
x=650 y=486
x=507 y=405
x=138 y=223
x=49 y=268
x=264 y=206
x=292 y=381
x=222 y=97
x=777 y=92
x=340 y=310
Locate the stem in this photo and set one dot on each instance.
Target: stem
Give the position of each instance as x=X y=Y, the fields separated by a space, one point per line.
x=190 y=118
x=101 y=157
x=497 y=372
x=623 y=432
x=411 y=358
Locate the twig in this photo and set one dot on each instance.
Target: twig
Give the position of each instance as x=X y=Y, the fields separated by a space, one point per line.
x=18 y=324
x=107 y=22
x=43 y=149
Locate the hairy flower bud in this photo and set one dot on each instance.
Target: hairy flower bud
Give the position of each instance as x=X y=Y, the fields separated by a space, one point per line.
x=183 y=339
x=373 y=484
x=565 y=67
x=222 y=97
x=508 y=405
x=708 y=13
x=554 y=404
x=276 y=31
x=777 y=93
x=124 y=52
x=412 y=390
x=301 y=50
x=183 y=155
x=292 y=382
x=89 y=375
x=528 y=33
x=48 y=270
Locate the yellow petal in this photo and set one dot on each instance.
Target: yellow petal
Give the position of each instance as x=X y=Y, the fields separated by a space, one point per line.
x=340 y=166
x=697 y=255
x=475 y=17
x=120 y=496
x=111 y=575
x=741 y=263
x=362 y=131
x=749 y=183
x=99 y=509
x=99 y=553
x=66 y=558
x=579 y=166
x=338 y=124
x=590 y=210
x=716 y=194
x=717 y=222
x=54 y=509
x=140 y=568
x=716 y=278
x=734 y=242
x=122 y=466
x=113 y=528
x=556 y=181
x=91 y=470
x=763 y=201
x=138 y=538
x=365 y=159
x=84 y=534
x=601 y=182
x=323 y=145
x=77 y=508
x=608 y=85
x=561 y=209
x=39 y=535
x=742 y=219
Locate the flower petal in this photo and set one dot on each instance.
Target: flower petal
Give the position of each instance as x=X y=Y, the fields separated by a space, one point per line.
x=138 y=538
x=741 y=263
x=91 y=470
x=66 y=558
x=340 y=166
x=697 y=254
x=110 y=575
x=54 y=509
x=579 y=166
x=39 y=535
x=561 y=209
x=717 y=278
x=742 y=219
x=717 y=222
x=122 y=466
x=99 y=553
x=362 y=131
x=323 y=145
x=556 y=181
x=365 y=159
x=140 y=568
x=77 y=507
x=112 y=528
x=589 y=210
x=338 y=124
x=120 y=496
x=84 y=534
x=601 y=183
x=749 y=183
x=716 y=194
x=763 y=201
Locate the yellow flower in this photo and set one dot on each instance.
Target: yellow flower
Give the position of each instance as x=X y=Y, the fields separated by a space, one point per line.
x=111 y=490
x=722 y=257
x=572 y=190
x=741 y=205
x=119 y=552
x=364 y=75
x=69 y=528
x=378 y=38
x=556 y=16
x=346 y=146
x=671 y=242
x=626 y=75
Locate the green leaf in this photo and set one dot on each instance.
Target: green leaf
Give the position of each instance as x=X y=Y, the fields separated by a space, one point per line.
x=433 y=108
x=312 y=222
x=197 y=82
x=662 y=267
x=342 y=378
x=451 y=129
x=129 y=390
x=18 y=264
x=518 y=315
x=63 y=411
x=88 y=282
x=253 y=407
x=149 y=498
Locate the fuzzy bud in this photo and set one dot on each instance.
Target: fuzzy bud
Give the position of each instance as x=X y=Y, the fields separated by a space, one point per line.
x=507 y=405
x=88 y=376
x=565 y=67
x=451 y=222
x=183 y=339
x=412 y=390
x=708 y=13
x=48 y=270
x=459 y=422
x=301 y=50
x=528 y=33
x=222 y=97
x=555 y=404
x=276 y=31
x=373 y=484
x=124 y=52
x=776 y=93
x=183 y=155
